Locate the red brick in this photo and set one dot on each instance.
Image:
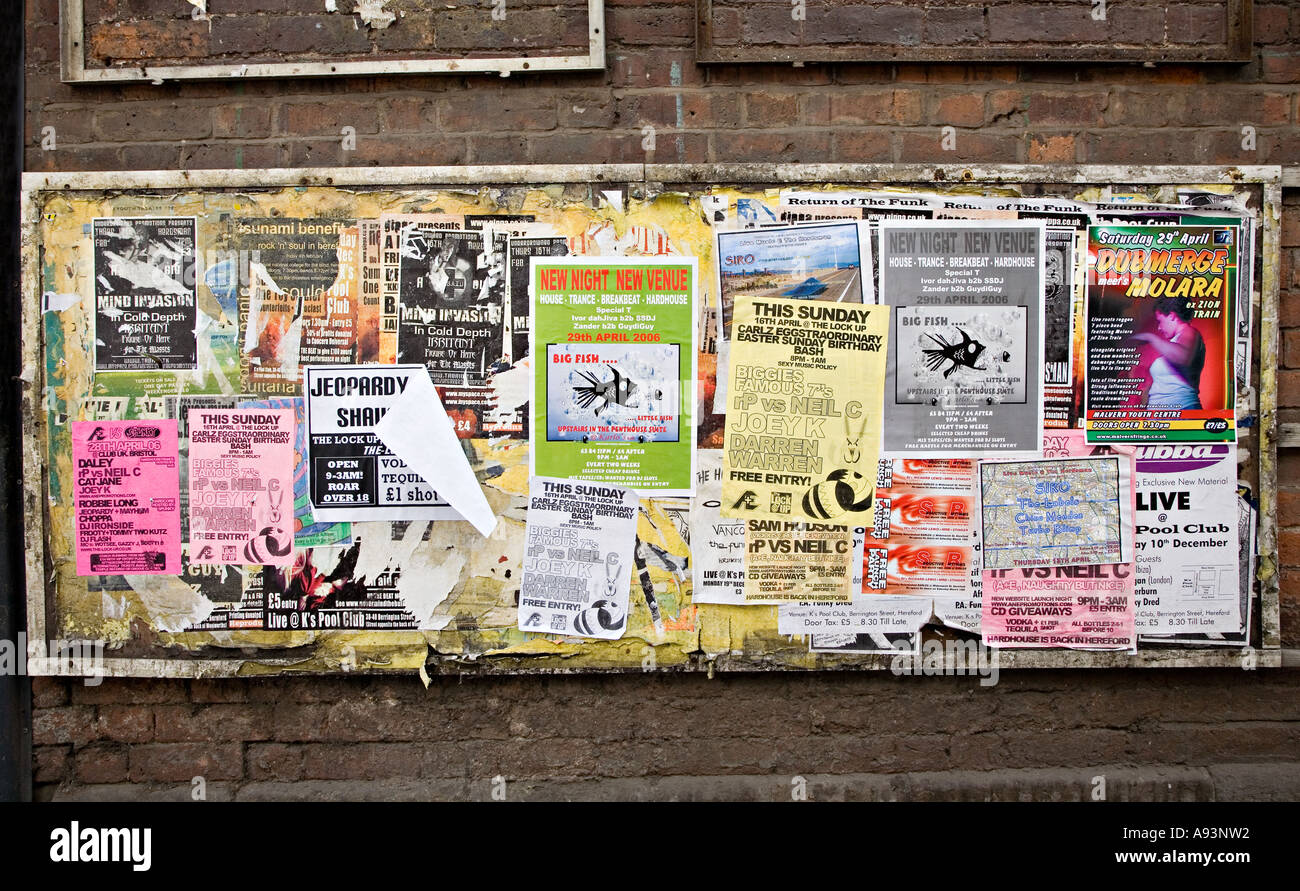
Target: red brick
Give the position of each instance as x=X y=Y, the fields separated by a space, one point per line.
x=590 y=109
x=183 y=41
x=953 y=27
x=49 y=692
x=1083 y=109
x=862 y=147
x=181 y=762
x=1288 y=388
x=51 y=764
x=101 y=764
x=770 y=109
x=584 y=148
x=488 y=149
x=1052 y=148
x=1281 y=68
x=762 y=145
x=222 y=722
x=509 y=110
x=1008 y=105
x=1197 y=24
x=327 y=118
x=131 y=123
x=1135 y=25
x=1014 y=23
x=1132 y=146
x=1271 y=24
x=924 y=146
x=125 y=723
x=1288 y=507
x=1151 y=108
x=960 y=110
x=237 y=155
x=657 y=26
x=893 y=24
x=653 y=67
x=371 y=761
x=130 y=691
x=241 y=121
x=1291 y=348
x=275 y=761
x=70 y=724
x=877 y=107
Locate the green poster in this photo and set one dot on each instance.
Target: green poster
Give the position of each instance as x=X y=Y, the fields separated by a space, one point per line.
x=613 y=346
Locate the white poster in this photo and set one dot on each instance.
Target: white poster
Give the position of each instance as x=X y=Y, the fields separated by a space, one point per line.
x=578 y=554
x=717 y=542
x=353 y=474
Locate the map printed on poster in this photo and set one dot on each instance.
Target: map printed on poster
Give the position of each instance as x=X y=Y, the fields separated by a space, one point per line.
x=1088 y=607
x=787 y=562
x=717 y=542
x=802 y=430
x=614 y=371
x=1162 y=324
x=1187 y=539
x=964 y=377
x=146 y=297
x=1056 y=512
x=579 y=546
x=241 y=486
x=127 y=497
x=352 y=474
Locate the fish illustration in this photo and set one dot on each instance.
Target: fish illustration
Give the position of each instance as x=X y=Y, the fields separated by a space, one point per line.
x=619 y=391
x=966 y=353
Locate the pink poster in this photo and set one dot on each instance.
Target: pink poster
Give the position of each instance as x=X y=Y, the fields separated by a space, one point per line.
x=241 y=485
x=1082 y=607
x=127 y=497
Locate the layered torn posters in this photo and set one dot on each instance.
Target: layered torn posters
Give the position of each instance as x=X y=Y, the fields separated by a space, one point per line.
x=825 y=419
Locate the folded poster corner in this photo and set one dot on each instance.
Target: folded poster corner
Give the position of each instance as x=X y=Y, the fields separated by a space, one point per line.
x=417 y=430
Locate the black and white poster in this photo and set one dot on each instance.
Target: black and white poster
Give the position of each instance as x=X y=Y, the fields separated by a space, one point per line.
x=145 y=293
x=353 y=475
x=578 y=554
x=965 y=370
x=453 y=295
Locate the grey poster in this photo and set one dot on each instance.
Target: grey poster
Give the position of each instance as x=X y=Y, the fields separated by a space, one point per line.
x=964 y=376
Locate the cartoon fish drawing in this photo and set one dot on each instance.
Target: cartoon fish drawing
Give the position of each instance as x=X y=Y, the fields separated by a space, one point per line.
x=966 y=353
x=619 y=391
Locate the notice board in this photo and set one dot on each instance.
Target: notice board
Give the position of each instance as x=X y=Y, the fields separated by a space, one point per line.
x=166 y=312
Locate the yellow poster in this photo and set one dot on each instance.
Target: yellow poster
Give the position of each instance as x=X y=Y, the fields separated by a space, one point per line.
x=805 y=398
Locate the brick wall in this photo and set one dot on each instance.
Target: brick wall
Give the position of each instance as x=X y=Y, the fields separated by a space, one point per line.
x=1189 y=734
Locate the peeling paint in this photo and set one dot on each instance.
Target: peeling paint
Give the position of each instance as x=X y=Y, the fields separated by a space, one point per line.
x=373 y=15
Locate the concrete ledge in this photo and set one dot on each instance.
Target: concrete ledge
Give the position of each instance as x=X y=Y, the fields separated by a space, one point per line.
x=1220 y=782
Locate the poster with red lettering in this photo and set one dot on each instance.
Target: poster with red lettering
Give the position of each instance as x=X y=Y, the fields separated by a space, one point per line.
x=241 y=486
x=127 y=497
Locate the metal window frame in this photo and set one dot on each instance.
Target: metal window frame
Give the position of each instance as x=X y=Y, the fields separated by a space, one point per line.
x=1237 y=47
x=72 y=59
x=642 y=179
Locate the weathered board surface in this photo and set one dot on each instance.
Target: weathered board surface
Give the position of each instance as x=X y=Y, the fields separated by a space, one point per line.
x=467 y=580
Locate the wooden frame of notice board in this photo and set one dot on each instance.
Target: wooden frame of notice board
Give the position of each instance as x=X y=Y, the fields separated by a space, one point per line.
x=710 y=643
